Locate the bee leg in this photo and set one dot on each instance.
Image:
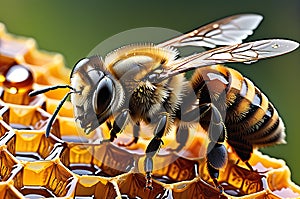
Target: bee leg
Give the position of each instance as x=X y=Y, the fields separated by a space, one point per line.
x=214 y=174
x=216 y=157
x=118 y=126
x=242 y=148
x=193 y=115
x=153 y=147
x=136 y=133
x=108 y=124
x=216 y=154
x=216 y=129
x=182 y=134
x=247 y=164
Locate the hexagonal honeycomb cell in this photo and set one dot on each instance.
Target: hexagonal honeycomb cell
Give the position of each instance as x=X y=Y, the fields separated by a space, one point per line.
x=45 y=179
x=70 y=164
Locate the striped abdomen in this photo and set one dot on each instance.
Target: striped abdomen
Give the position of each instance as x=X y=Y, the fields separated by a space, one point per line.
x=250 y=119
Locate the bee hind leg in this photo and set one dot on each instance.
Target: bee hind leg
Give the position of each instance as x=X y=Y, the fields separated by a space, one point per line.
x=243 y=149
x=214 y=174
x=249 y=166
x=216 y=155
x=216 y=158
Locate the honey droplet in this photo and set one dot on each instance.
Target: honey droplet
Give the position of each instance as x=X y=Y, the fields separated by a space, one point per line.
x=17 y=81
x=18 y=76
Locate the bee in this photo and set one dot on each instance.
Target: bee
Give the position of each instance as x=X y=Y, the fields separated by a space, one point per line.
x=146 y=83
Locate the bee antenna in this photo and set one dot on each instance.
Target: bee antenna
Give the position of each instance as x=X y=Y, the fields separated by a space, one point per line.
x=44 y=90
x=49 y=125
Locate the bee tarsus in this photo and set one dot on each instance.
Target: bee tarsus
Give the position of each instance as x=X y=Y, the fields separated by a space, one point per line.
x=148 y=180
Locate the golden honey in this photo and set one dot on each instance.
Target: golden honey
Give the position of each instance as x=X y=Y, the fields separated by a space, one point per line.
x=69 y=164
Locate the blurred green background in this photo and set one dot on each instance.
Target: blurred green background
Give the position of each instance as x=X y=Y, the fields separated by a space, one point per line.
x=73 y=28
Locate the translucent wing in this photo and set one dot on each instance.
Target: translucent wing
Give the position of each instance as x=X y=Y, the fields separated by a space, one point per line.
x=228 y=31
x=246 y=53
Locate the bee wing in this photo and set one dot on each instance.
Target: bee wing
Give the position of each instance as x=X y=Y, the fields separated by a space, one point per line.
x=245 y=53
x=228 y=31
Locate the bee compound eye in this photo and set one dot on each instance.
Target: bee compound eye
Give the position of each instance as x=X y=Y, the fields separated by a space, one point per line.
x=103 y=95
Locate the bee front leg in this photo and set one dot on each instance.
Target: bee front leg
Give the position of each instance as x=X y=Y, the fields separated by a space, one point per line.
x=118 y=126
x=154 y=146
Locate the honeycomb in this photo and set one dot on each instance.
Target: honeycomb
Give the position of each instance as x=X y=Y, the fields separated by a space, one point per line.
x=69 y=164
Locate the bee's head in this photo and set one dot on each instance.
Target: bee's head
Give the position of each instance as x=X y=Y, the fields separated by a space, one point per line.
x=98 y=94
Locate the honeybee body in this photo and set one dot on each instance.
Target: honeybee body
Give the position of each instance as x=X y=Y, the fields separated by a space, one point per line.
x=247 y=118
x=146 y=84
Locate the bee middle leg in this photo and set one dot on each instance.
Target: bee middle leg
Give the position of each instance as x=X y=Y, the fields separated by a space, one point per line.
x=154 y=146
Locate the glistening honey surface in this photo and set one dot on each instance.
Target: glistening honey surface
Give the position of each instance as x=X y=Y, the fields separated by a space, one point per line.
x=70 y=164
